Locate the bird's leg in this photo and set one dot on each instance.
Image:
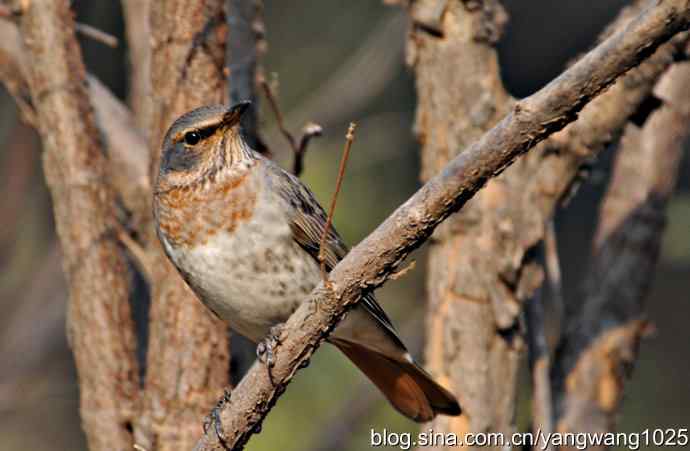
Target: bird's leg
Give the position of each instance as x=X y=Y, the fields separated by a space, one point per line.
x=213 y=418
x=265 y=348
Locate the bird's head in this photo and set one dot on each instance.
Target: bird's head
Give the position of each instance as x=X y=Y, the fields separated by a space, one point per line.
x=202 y=142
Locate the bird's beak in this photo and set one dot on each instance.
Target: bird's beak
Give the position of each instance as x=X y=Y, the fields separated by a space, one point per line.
x=235 y=112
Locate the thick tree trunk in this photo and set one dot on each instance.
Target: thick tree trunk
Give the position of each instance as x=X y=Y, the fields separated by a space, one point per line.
x=460 y=96
x=188 y=358
x=99 y=323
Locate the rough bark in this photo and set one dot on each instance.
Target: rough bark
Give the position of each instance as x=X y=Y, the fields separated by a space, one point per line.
x=460 y=96
x=125 y=147
x=371 y=262
x=99 y=324
x=188 y=359
x=599 y=347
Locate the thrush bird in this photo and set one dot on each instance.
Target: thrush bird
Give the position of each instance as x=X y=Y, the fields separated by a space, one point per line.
x=245 y=236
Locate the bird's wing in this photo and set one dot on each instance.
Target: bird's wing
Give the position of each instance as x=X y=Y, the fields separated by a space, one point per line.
x=308 y=222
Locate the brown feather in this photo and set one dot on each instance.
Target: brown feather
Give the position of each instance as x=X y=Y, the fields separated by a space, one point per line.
x=408 y=387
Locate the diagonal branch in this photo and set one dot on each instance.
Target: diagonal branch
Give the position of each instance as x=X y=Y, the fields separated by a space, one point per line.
x=371 y=262
x=84 y=207
x=599 y=347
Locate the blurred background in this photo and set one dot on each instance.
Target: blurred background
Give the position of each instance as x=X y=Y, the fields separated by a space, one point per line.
x=349 y=67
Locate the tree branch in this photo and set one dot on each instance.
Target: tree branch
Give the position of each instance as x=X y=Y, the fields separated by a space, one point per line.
x=599 y=347
x=369 y=264
x=84 y=206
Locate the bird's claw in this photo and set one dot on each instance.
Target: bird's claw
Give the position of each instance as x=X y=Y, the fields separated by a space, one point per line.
x=213 y=418
x=265 y=348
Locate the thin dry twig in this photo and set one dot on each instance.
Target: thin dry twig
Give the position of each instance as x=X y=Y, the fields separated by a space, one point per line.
x=309 y=131
x=96 y=34
x=268 y=92
x=403 y=271
x=349 y=138
x=552 y=264
x=141 y=258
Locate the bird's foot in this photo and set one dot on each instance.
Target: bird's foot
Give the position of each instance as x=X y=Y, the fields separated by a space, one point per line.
x=213 y=418
x=265 y=348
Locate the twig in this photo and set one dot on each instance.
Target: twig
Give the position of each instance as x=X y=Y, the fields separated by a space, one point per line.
x=370 y=263
x=268 y=92
x=401 y=272
x=349 y=138
x=96 y=34
x=137 y=251
x=310 y=130
x=553 y=265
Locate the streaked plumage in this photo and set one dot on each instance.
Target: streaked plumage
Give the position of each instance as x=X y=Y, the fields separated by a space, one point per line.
x=245 y=236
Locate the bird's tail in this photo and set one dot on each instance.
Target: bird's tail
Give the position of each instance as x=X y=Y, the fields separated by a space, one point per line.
x=406 y=385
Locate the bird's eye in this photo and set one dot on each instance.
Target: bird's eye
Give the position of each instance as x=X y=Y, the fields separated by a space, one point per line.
x=192 y=138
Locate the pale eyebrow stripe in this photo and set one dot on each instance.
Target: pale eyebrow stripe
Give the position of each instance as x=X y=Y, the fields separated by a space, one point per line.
x=199 y=126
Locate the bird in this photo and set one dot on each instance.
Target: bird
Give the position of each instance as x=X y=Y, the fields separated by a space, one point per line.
x=245 y=236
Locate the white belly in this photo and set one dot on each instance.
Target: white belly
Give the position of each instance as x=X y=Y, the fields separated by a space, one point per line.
x=253 y=278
